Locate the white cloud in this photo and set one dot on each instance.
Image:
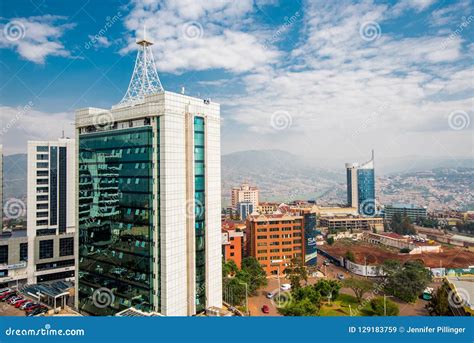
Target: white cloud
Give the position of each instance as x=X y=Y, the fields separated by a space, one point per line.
x=18 y=125
x=35 y=38
x=350 y=95
x=200 y=35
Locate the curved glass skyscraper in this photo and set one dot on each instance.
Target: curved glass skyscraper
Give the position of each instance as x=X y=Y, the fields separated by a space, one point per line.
x=361 y=187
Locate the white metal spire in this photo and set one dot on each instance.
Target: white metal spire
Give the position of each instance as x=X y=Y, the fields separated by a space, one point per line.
x=145 y=78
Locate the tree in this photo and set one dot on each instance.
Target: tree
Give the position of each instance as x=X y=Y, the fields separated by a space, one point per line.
x=439 y=303
x=359 y=287
x=304 y=301
x=229 y=268
x=402 y=225
x=300 y=308
x=296 y=272
x=328 y=288
x=252 y=274
x=350 y=256
x=233 y=291
x=406 y=281
x=330 y=240
x=381 y=307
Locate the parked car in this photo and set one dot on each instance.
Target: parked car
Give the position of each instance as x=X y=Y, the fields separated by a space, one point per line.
x=7 y=296
x=4 y=290
x=270 y=295
x=13 y=299
x=38 y=310
x=265 y=309
x=285 y=287
x=34 y=308
x=340 y=276
x=21 y=302
x=27 y=305
x=326 y=263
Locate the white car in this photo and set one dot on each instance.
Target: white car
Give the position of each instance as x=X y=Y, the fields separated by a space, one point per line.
x=285 y=287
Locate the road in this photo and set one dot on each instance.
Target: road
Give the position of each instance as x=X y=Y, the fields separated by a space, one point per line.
x=331 y=271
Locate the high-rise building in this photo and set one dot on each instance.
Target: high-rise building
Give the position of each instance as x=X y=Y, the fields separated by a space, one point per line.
x=245 y=208
x=244 y=193
x=51 y=210
x=361 y=187
x=149 y=200
x=1 y=188
x=275 y=239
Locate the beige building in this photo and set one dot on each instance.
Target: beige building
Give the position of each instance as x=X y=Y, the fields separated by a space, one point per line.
x=349 y=222
x=245 y=193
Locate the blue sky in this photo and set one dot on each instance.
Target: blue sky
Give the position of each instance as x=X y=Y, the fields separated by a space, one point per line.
x=318 y=78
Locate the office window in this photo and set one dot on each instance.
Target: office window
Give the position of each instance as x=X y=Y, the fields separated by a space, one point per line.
x=42 y=149
x=23 y=251
x=46 y=249
x=4 y=254
x=66 y=246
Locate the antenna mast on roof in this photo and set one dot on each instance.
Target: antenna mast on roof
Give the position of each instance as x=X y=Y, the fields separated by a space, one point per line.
x=145 y=78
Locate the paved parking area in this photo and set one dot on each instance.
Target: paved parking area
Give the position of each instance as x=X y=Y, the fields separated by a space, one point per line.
x=10 y=310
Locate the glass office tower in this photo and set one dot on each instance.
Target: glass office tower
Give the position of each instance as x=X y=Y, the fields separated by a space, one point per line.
x=149 y=206
x=361 y=187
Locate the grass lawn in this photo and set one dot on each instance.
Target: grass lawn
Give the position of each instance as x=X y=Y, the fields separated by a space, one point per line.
x=340 y=307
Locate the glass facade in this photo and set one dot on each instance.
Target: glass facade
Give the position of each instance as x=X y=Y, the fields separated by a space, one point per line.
x=366 y=191
x=199 y=211
x=116 y=220
x=53 y=186
x=349 y=187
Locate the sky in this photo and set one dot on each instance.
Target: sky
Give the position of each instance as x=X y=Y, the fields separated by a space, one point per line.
x=321 y=79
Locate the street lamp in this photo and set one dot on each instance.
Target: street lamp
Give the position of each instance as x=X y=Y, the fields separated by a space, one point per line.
x=246 y=296
x=278 y=262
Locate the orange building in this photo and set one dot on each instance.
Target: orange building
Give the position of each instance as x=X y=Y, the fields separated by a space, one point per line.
x=232 y=242
x=275 y=239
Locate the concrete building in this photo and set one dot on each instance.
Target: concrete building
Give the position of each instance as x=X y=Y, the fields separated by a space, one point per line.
x=409 y=210
x=344 y=223
x=232 y=245
x=1 y=188
x=51 y=210
x=245 y=208
x=361 y=187
x=149 y=200
x=267 y=207
x=13 y=258
x=244 y=193
x=275 y=239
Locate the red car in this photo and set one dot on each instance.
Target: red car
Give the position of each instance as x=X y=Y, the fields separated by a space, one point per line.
x=265 y=309
x=5 y=296
x=21 y=302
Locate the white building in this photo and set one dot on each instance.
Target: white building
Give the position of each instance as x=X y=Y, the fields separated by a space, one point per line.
x=149 y=201
x=245 y=193
x=51 y=210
